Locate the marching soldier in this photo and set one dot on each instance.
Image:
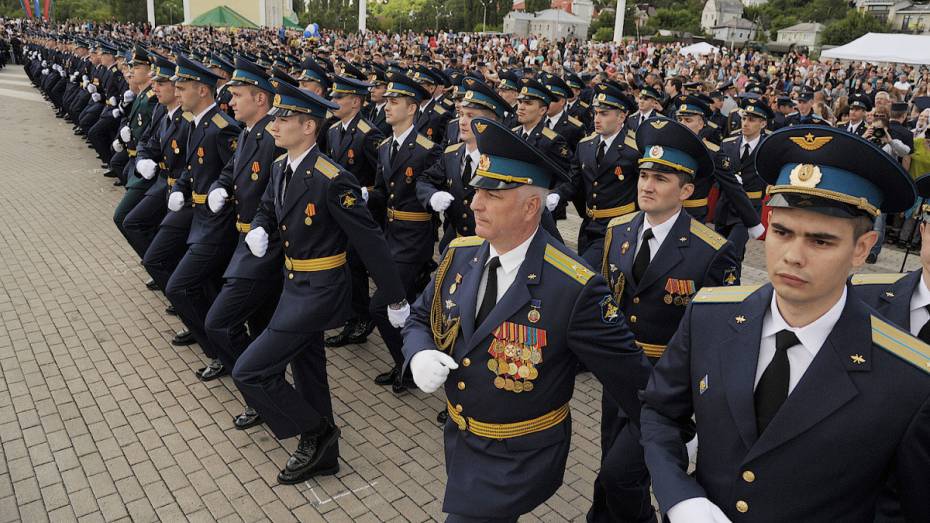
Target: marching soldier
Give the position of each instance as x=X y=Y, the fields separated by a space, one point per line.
x=318 y=209
x=353 y=145
x=211 y=142
x=221 y=67
x=789 y=382
x=649 y=104
x=377 y=101
x=783 y=107
x=604 y=172
x=403 y=158
x=541 y=311
x=805 y=114
x=691 y=113
x=575 y=106
x=532 y=108
x=509 y=89
x=756 y=114
x=137 y=122
x=557 y=117
x=156 y=157
x=655 y=262
x=251 y=285
x=434 y=114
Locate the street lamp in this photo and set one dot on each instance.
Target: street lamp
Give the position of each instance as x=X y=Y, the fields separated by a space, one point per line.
x=484 y=17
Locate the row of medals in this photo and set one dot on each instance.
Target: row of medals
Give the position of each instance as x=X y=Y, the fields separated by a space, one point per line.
x=514 y=365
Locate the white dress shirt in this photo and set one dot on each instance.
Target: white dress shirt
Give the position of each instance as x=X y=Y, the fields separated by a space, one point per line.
x=402 y=137
x=919 y=300
x=812 y=337
x=294 y=164
x=200 y=116
x=659 y=232
x=507 y=272
x=475 y=157
x=852 y=127
x=608 y=141
x=751 y=143
x=172 y=111
x=555 y=119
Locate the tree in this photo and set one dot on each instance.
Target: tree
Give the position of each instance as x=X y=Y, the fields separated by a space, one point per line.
x=854 y=25
x=534 y=6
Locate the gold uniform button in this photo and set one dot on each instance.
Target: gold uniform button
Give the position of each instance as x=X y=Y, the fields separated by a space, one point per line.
x=465 y=201
x=466 y=362
x=748 y=476
x=595 y=183
x=636 y=299
x=594 y=195
x=290 y=275
x=235 y=187
x=742 y=506
x=287 y=243
x=633 y=319
x=392 y=197
x=461 y=385
x=284 y=227
x=458 y=408
x=392 y=184
x=464 y=216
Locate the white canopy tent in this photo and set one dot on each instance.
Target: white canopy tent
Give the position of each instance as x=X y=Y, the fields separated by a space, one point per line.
x=882 y=47
x=700 y=48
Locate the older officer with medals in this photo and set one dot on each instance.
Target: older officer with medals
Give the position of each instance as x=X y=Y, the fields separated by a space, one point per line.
x=504 y=323
x=805 y=398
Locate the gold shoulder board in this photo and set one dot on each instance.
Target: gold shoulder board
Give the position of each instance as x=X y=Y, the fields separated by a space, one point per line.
x=589 y=137
x=326 y=167
x=574 y=121
x=711 y=146
x=620 y=220
x=219 y=121
x=876 y=279
x=188 y=116
x=386 y=140
x=731 y=138
x=734 y=294
x=454 y=147
x=707 y=234
x=439 y=109
x=424 y=142
x=549 y=133
x=337 y=122
x=565 y=263
x=279 y=158
x=630 y=142
x=363 y=126
x=466 y=241
x=901 y=344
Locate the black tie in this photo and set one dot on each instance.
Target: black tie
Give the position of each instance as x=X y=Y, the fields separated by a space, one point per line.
x=600 y=153
x=642 y=119
x=490 y=291
x=526 y=136
x=772 y=389
x=549 y=123
x=924 y=333
x=745 y=155
x=642 y=257
x=288 y=173
x=466 y=172
x=394 y=147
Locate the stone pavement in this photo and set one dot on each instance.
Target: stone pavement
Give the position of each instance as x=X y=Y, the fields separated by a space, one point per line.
x=101 y=419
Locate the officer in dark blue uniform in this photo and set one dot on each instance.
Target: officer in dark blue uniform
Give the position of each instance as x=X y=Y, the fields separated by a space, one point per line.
x=655 y=262
x=252 y=285
x=604 y=172
x=741 y=149
x=378 y=80
x=508 y=87
x=557 y=118
x=318 y=209
x=353 y=144
x=223 y=69
x=503 y=325
x=211 y=142
x=403 y=158
x=532 y=108
x=805 y=398
x=783 y=107
x=434 y=113
x=859 y=105
x=805 y=114
x=154 y=155
x=692 y=113
x=649 y=103
x=575 y=106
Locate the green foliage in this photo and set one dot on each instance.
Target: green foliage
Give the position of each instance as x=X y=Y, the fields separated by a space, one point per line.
x=853 y=26
x=675 y=19
x=533 y=6
x=779 y=14
x=604 y=34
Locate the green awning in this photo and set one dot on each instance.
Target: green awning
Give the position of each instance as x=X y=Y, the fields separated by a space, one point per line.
x=223 y=16
x=291 y=22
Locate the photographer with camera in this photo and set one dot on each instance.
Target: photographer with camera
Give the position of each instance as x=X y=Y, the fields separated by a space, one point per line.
x=878 y=133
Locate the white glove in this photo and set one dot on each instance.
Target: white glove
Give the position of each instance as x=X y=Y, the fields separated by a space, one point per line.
x=44 y=72
x=175 y=201
x=96 y=96
x=365 y=194
x=44 y=63
x=62 y=73
x=128 y=96
x=91 y=88
x=84 y=78
x=695 y=510
x=440 y=201
x=552 y=201
x=112 y=101
x=117 y=145
x=692 y=447
x=125 y=134
x=430 y=368
x=217 y=199
x=257 y=240
x=398 y=317
x=117 y=113
x=756 y=232
x=146 y=168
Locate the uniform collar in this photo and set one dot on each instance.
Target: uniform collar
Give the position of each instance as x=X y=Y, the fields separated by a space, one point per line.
x=660 y=231
x=610 y=139
x=295 y=163
x=200 y=116
x=921 y=296
x=513 y=258
x=811 y=336
x=403 y=136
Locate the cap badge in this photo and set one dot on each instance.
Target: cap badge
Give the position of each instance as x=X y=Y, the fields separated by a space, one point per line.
x=809 y=142
x=656 y=151
x=484 y=162
x=805 y=175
